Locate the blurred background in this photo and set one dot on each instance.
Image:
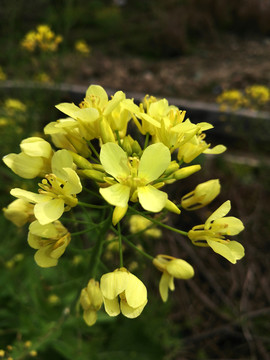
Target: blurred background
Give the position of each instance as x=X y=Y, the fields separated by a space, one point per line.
x=209 y=57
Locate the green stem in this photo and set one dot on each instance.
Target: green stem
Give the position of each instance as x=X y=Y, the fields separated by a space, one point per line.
x=125 y=238
x=97 y=249
x=92 y=192
x=146 y=141
x=118 y=138
x=93 y=149
x=137 y=249
x=159 y=223
x=120 y=245
x=92 y=206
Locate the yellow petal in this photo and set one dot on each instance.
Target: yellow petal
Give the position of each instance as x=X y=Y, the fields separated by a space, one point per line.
x=48 y=231
x=228 y=225
x=36 y=146
x=118 y=214
x=151 y=198
x=131 y=312
x=98 y=92
x=164 y=286
x=117 y=194
x=114 y=283
x=87 y=115
x=61 y=159
x=28 y=167
x=43 y=260
x=237 y=250
x=219 y=213
x=49 y=211
x=231 y=252
x=28 y=195
x=180 y=269
x=111 y=306
x=154 y=161
x=114 y=160
x=33 y=241
x=218 y=149
x=68 y=109
x=90 y=317
x=135 y=292
x=114 y=102
x=73 y=185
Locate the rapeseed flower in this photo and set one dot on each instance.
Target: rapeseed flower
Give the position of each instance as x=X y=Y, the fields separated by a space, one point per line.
x=131 y=291
x=171 y=268
x=133 y=177
x=213 y=233
x=91 y=300
x=33 y=160
x=19 y=212
x=50 y=240
x=57 y=191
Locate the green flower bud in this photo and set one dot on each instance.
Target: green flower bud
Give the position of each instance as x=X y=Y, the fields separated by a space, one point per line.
x=186 y=171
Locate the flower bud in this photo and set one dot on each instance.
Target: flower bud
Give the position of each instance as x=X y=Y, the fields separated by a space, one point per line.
x=91 y=301
x=172 y=207
x=203 y=194
x=186 y=171
x=94 y=175
x=173 y=167
x=80 y=161
x=106 y=132
x=126 y=145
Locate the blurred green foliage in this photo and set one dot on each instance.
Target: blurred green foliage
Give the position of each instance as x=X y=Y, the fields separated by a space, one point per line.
x=152 y=27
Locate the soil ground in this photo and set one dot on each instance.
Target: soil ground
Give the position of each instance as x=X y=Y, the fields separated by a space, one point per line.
x=225 y=64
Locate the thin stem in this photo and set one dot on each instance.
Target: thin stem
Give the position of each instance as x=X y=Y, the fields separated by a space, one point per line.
x=125 y=238
x=120 y=245
x=159 y=223
x=97 y=249
x=92 y=205
x=118 y=138
x=92 y=192
x=137 y=249
x=93 y=149
x=146 y=141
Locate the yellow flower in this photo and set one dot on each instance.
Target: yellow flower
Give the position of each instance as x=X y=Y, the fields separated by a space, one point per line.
x=131 y=291
x=57 y=191
x=133 y=176
x=19 y=212
x=213 y=233
x=82 y=47
x=203 y=194
x=14 y=105
x=65 y=134
x=91 y=301
x=231 y=100
x=34 y=159
x=165 y=123
x=196 y=146
x=257 y=95
x=171 y=268
x=97 y=116
x=43 y=39
x=50 y=240
x=139 y=223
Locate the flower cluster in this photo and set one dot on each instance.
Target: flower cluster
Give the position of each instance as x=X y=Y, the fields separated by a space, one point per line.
x=43 y=39
x=253 y=97
x=123 y=154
